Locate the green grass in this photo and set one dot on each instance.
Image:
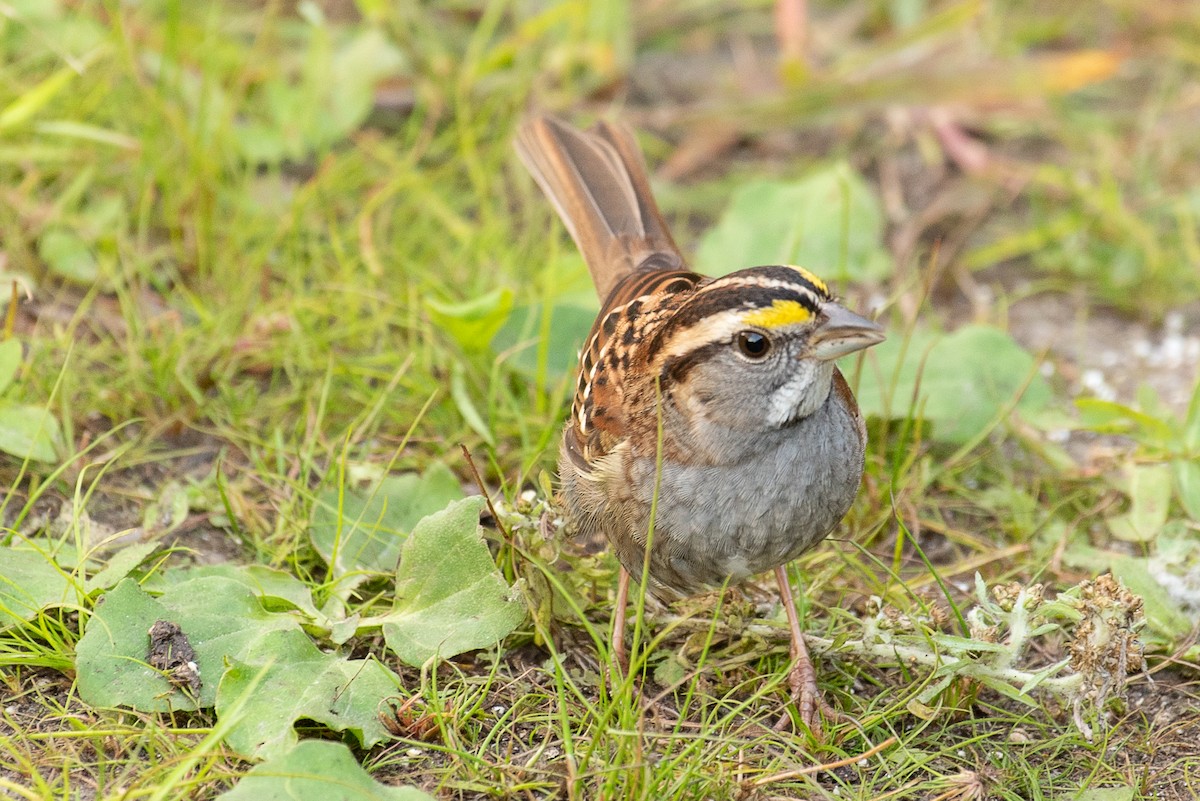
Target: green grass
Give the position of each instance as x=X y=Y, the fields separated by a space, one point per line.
x=250 y=232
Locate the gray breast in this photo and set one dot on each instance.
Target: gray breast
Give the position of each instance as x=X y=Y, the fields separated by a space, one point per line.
x=714 y=523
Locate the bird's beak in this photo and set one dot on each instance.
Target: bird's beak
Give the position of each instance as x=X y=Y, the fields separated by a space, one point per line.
x=842 y=332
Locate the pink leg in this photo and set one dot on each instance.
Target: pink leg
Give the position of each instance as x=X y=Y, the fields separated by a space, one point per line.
x=802 y=678
x=618 y=632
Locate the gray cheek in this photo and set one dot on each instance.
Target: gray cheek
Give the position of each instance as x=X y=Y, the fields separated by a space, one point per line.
x=732 y=394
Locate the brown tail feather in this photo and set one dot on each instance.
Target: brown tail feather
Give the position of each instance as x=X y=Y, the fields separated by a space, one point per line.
x=597 y=182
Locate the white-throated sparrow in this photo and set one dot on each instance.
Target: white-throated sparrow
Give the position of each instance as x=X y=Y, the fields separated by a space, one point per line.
x=710 y=407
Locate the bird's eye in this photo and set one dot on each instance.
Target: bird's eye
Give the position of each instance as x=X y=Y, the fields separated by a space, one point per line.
x=753 y=345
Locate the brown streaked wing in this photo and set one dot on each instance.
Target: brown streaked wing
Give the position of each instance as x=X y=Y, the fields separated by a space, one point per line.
x=842 y=388
x=597 y=411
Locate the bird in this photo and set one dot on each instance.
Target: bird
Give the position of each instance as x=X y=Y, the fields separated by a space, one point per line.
x=709 y=419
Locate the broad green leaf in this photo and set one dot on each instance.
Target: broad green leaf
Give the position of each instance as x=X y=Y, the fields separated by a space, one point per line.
x=120 y=565
x=1174 y=566
x=450 y=597
x=29 y=432
x=1150 y=403
x=1149 y=490
x=10 y=362
x=336 y=91
x=344 y=628
x=520 y=340
x=357 y=68
x=104 y=213
x=221 y=619
x=1191 y=424
x=29 y=582
x=265 y=143
x=276 y=589
x=69 y=255
x=890 y=375
x=472 y=323
x=1166 y=622
x=1163 y=614
x=920 y=710
x=316 y=770
x=1187 y=480
x=60 y=549
x=829 y=222
x=294 y=115
x=301 y=682
x=1078 y=553
x=671 y=671
x=234 y=638
x=70 y=31
x=966 y=379
x=1107 y=417
x=907 y=14
x=374 y=523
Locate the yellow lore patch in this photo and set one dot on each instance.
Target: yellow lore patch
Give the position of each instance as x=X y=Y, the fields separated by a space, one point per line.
x=778 y=314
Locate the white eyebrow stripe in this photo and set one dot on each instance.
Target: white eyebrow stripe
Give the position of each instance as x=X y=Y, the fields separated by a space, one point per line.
x=715 y=328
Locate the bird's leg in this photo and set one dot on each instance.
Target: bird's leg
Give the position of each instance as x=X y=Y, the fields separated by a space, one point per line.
x=618 y=632
x=802 y=677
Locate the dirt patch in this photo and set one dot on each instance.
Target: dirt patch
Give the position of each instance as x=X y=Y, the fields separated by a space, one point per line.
x=146 y=501
x=1165 y=744
x=1103 y=354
